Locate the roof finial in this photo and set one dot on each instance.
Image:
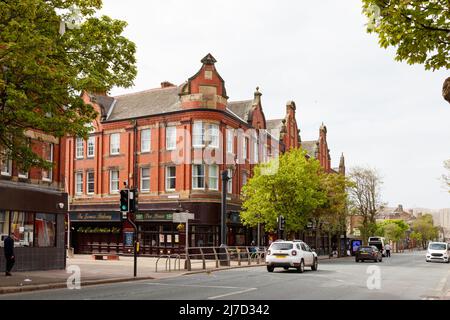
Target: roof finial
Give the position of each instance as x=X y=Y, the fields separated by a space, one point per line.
x=208 y=59
x=257 y=97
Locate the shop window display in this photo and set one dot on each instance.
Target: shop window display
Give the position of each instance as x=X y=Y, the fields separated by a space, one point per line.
x=45 y=230
x=22 y=228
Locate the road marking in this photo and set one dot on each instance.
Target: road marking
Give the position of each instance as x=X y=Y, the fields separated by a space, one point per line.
x=191 y=285
x=232 y=293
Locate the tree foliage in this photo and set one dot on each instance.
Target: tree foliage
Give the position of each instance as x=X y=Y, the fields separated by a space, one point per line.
x=293 y=190
x=419 y=29
x=424 y=229
x=331 y=215
x=365 y=198
x=50 y=52
x=394 y=230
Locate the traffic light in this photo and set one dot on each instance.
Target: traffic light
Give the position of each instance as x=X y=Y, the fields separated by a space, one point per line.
x=124 y=205
x=281 y=222
x=133 y=200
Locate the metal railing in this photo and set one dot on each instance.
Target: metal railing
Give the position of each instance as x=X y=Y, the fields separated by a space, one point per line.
x=169 y=258
x=216 y=257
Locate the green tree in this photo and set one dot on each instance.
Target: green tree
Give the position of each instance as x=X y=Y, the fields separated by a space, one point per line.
x=51 y=51
x=365 y=198
x=331 y=216
x=291 y=188
x=419 y=29
x=393 y=230
x=425 y=227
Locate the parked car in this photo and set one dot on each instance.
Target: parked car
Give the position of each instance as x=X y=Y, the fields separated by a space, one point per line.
x=291 y=254
x=438 y=251
x=368 y=253
x=379 y=243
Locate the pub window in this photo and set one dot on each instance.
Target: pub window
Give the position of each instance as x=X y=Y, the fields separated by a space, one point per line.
x=22 y=228
x=244 y=148
x=230 y=138
x=255 y=148
x=114 y=181
x=198 y=176
x=45 y=229
x=171 y=138
x=22 y=174
x=4 y=223
x=79 y=148
x=91 y=147
x=145 y=140
x=145 y=179
x=170 y=178
x=47 y=174
x=6 y=166
x=213 y=135
x=198 y=135
x=244 y=178
x=213 y=172
x=230 y=181
x=79 y=183
x=90 y=182
x=114 y=143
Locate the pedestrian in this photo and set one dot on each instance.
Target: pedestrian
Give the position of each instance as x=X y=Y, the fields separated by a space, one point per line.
x=9 y=254
x=388 y=250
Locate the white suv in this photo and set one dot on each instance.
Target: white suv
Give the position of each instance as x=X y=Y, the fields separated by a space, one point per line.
x=290 y=254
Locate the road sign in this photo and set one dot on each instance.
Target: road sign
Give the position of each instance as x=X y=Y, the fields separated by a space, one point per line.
x=182 y=217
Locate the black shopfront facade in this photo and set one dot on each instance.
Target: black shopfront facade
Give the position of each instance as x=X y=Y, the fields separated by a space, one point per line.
x=97 y=229
x=35 y=216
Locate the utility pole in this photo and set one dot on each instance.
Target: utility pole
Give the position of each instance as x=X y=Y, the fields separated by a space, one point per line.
x=128 y=206
x=223 y=219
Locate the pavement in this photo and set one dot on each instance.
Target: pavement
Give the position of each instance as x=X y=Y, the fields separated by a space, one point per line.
x=402 y=276
x=95 y=272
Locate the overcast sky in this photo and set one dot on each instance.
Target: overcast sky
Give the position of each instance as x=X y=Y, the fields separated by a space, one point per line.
x=379 y=112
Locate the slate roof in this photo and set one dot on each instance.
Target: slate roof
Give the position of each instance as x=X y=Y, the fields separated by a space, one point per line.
x=310 y=147
x=241 y=108
x=104 y=102
x=145 y=103
x=274 y=124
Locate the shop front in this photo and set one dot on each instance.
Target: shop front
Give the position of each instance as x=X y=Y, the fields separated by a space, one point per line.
x=36 y=225
x=93 y=232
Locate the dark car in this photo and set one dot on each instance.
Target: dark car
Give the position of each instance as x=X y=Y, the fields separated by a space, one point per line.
x=368 y=253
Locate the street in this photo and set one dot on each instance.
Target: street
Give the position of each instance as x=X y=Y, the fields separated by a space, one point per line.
x=403 y=276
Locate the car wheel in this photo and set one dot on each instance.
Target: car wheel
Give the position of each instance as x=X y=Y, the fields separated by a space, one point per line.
x=315 y=265
x=270 y=268
x=301 y=268
x=376 y=260
x=381 y=259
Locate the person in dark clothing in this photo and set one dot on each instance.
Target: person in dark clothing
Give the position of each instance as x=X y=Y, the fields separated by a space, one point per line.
x=9 y=254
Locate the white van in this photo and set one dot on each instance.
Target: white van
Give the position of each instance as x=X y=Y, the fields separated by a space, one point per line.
x=379 y=243
x=438 y=251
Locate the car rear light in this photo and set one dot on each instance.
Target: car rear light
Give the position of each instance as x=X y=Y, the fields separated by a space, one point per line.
x=294 y=253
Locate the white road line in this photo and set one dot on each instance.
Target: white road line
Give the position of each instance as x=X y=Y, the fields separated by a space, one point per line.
x=232 y=293
x=191 y=285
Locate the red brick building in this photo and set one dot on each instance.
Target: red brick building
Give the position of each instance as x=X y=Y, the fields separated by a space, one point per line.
x=33 y=207
x=171 y=143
